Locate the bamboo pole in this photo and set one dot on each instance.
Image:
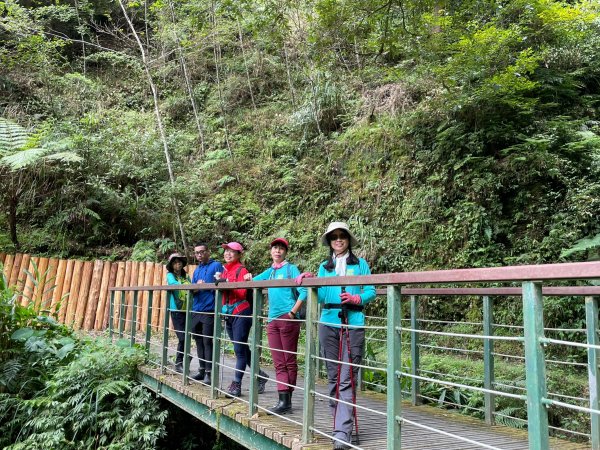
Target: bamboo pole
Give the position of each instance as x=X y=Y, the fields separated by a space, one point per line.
x=41 y=285
x=73 y=293
x=155 y=313
x=140 y=281
x=26 y=282
x=132 y=282
x=2 y=257
x=66 y=290
x=163 y=295
x=108 y=271
x=46 y=294
x=92 y=304
x=119 y=296
x=83 y=295
x=8 y=265
x=148 y=277
x=56 y=302
x=14 y=270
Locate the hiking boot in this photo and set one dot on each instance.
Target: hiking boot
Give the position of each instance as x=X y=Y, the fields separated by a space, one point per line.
x=337 y=445
x=206 y=379
x=284 y=405
x=179 y=367
x=234 y=389
x=199 y=376
x=262 y=382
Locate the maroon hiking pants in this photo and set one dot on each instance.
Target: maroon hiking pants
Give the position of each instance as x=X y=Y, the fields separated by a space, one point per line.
x=283 y=335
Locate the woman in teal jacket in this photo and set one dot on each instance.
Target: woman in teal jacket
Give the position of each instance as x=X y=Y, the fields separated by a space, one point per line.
x=342 y=306
x=176 y=274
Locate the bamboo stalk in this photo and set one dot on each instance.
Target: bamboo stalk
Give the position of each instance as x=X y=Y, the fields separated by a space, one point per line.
x=46 y=298
x=25 y=282
x=83 y=296
x=156 y=303
x=73 y=292
x=148 y=278
x=109 y=272
x=14 y=270
x=119 y=296
x=91 y=308
x=140 y=282
x=55 y=303
x=132 y=282
x=163 y=295
x=41 y=285
x=8 y=265
x=2 y=257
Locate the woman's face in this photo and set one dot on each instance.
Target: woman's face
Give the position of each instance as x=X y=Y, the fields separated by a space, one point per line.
x=278 y=253
x=339 y=241
x=231 y=255
x=177 y=265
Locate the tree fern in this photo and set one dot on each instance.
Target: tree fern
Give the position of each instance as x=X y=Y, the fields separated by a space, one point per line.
x=13 y=137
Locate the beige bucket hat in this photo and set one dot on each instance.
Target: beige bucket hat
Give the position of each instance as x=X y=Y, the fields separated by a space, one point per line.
x=339 y=226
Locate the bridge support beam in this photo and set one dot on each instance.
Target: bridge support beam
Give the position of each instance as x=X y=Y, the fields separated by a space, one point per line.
x=310 y=365
x=222 y=423
x=533 y=321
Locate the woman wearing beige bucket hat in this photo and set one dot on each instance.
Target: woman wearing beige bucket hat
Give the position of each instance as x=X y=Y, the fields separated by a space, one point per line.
x=176 y=274
x=341 y=331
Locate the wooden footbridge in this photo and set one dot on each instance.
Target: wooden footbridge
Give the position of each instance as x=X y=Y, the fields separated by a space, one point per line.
x=396 y=418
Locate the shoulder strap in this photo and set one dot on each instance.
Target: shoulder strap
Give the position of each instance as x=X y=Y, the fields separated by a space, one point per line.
x=237 y=272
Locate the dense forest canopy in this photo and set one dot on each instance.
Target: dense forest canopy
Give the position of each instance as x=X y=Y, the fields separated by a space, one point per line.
x=449 y=134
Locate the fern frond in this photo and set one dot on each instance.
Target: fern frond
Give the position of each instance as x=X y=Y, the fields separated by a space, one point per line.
x=13 y=137
x=23 y=158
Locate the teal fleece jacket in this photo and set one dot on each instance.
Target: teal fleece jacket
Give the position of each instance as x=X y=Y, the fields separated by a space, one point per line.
x=331 y=294
x=281 y=300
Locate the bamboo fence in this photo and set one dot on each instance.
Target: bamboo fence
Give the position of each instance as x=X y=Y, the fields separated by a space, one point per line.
x=76 y=292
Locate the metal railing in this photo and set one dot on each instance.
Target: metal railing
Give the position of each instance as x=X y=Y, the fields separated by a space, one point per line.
x=395 y=330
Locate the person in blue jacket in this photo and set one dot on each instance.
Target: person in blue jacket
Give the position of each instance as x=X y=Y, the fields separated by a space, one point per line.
x=342 y=305
x=203 y=315
x=176 y=274
x=283 y=328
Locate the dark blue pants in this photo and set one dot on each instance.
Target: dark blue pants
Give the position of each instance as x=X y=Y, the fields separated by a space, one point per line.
x=238 y=329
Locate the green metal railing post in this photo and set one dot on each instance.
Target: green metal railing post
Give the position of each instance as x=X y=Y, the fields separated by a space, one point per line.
x=132 y=325
x=394 y=367
x=310 y=365
x=591 y=319
x=217 y=332
x=533 y=322
x=111 y=314
x=148 y=323
x=415 y=385
x=319 y=367
x=488 y=359
x=165 y=345
x=257 y=296
x=187 y=357
x=122 y=314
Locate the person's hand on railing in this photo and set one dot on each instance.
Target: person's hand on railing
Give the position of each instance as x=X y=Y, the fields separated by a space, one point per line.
x=218 y=278
x=300 y=277
x=347 y=298
x=248 y=277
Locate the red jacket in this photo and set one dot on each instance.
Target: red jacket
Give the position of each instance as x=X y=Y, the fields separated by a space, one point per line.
x=234 y=272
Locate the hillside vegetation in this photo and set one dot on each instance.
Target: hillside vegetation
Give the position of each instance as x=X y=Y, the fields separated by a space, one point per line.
x=449 y=134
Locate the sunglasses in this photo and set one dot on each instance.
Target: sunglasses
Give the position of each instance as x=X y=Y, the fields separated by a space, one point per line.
x=340 y=236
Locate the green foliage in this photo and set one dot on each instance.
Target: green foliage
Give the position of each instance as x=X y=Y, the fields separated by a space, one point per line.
x=58 y=391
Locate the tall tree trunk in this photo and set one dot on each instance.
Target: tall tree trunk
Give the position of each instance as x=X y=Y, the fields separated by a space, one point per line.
x=217 y=57
x=12 y=220
x=159 y=123
x=246 y=64
x=186 y=77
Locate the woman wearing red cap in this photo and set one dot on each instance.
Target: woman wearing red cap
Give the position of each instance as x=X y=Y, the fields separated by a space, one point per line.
x=238 y=317
x=176 y=274
x=282 y=329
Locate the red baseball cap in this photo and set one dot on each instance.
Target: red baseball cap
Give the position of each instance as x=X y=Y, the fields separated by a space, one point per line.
x=281 y=241
x=234 y=246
